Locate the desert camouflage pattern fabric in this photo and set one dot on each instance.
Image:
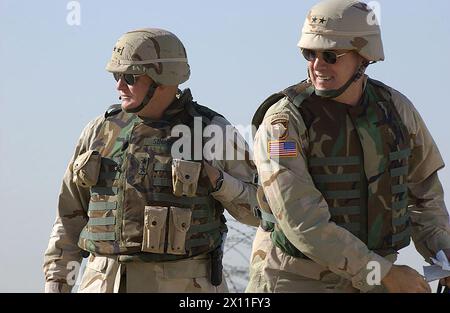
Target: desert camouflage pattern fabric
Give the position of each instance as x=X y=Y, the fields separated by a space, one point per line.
x=136 y=154
x=292 y=274
x=343 y=24
x=303 y=213
x=106 y=274
x=108 y=218
x=358 y=160
x=152 y=51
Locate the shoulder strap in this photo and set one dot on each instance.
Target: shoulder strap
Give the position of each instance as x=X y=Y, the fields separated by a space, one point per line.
x=385 y=93
x=263 y=108
x=384 y=88
x=377 y=83
x=205 y=111
x=113 y=110
x=296 y=94
x=196 y=110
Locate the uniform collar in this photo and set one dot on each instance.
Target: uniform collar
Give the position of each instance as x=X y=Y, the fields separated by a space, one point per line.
x=178 y=104
x=173 y=111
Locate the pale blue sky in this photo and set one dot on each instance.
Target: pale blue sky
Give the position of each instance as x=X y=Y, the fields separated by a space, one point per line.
x=53 y=82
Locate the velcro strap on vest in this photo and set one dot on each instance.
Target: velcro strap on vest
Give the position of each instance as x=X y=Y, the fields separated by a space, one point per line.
x=102 y=206
x=334 y=161
x=342 y=194
x=349 y=210
x=355 y=177
x=108 y=236
x=399 y=171
x=196 y=214
x=402 y=220
x=162 y=182
x=402 y=154
x=109 y=175
x=398 y=205
x=102 y=221
x=160 y=167
x=399 y=188
x=106 y=191
x=198 y=242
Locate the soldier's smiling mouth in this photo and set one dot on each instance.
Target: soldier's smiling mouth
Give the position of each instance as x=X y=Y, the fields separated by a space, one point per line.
x=323 y=78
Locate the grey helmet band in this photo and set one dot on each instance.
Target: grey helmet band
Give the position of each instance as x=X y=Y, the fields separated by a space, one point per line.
x=154 y=61
x=148 y=97
x=152 y=51
x=343 y=25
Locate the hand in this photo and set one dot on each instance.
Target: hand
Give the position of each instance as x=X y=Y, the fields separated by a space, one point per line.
x=212 y=172
x=446 y=281
x=403 y=279
x=56 y=287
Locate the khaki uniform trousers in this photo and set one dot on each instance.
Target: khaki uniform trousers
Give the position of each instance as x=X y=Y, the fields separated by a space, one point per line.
x=105 y=274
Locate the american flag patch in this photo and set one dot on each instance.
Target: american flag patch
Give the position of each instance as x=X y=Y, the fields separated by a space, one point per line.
x=282 y=149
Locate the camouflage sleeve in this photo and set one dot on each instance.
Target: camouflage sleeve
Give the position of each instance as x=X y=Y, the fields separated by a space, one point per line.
x=70 y=219
x=299 y=208
x=429 y=216
x=238 y=191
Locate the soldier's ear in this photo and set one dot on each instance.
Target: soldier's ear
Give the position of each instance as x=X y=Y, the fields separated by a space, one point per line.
x=363 y=63
x=168 y=89
x=363 y=60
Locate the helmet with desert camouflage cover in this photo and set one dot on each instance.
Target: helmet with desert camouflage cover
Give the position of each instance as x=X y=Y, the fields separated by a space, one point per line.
x=154 y=52
x=343 y=25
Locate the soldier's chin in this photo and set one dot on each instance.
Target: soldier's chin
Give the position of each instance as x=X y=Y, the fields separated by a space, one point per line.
x=324 y=85
x=128 y=104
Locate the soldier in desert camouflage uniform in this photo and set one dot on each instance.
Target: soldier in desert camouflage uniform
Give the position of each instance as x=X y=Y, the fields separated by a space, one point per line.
x=347 y=170
x=148 y=221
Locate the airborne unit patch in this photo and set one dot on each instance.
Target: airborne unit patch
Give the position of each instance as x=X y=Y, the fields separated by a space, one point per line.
x=279 y=131
x=279 y=124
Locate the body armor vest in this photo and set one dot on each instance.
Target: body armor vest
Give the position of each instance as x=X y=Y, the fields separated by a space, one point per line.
x=358 y=160
x=133 y=211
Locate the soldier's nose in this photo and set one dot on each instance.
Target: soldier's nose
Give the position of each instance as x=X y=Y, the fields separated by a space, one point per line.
x=319 y=63
x=121 y=85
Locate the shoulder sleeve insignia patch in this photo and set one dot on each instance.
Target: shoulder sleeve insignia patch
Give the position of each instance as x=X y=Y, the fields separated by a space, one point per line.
x=279 y=117
x=279 y=124
x=279 y=130
x=282 y=149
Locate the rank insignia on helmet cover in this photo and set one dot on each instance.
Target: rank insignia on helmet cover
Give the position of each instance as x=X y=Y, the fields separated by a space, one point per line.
x=318 y=20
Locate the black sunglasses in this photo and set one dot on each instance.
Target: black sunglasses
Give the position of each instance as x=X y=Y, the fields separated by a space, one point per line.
x=328 y=56
x=130 y=79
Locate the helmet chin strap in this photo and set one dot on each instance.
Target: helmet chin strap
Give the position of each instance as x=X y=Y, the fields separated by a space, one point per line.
x=333 y=93
x=148 y=96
